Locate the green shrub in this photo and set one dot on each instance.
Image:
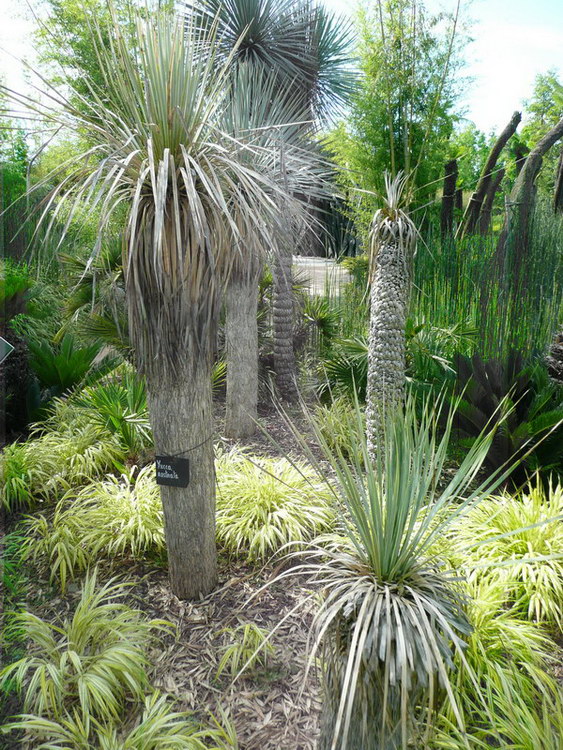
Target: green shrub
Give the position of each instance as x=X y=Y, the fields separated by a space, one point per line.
x=90 y=662
x=158 y=727
x=358 y=268
x=520 y=544
x=59 y=367
x=118 y=405
x=112 y=518
x=266 y=503
x=338 y=423
x=509 y=676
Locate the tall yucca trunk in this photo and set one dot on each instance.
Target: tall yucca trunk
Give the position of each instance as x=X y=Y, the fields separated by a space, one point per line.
x=284 y=357
x=386 y=347
x=392 y=244
x=182 y=423
x=241 y=338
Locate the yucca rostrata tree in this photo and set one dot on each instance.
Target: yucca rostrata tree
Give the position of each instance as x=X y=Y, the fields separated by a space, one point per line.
x=267 y=118
x=393 y=240
x=191 y=199
x=304 y=48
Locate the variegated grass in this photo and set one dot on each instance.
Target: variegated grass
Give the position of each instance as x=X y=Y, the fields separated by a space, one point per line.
x=90 y=661
x=112 y=518
x=266 y=503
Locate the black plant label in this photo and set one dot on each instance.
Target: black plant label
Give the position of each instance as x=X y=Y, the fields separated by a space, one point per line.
x=172 y=471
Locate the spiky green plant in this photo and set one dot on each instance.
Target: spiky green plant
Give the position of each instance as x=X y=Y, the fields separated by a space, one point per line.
x=520 y=543
x=119 y=406
x=113 y=518
x=91 y=661
x=392 y=616
x=247 y=648
x=266 y=503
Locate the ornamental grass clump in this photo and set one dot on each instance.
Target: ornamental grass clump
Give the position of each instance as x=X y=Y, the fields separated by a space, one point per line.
x=264 y=504
x=248 y=648
x=113 y=518
x=392 y=618
x=509 y=697
x=89 y=663
x=520 y=545
x=159 y=727
x=50 y=463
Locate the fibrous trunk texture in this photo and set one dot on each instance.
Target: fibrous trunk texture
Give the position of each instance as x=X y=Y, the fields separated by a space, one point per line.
x=448 y=199
x=284 y=356
x=241 y=338
x=488 y=203
x=476 y=200
x=182 y=423
x=386 y=345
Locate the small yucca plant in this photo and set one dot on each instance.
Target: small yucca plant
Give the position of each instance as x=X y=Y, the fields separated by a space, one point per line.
x=266 y=503
x=90 y=662
x=114 y=517
x=392 y=618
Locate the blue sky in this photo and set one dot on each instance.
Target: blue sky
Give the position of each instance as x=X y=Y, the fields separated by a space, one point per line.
x=514 y=41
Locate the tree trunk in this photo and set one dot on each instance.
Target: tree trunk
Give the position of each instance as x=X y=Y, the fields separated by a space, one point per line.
x=476 y=200
x=448 y=199
x=558 y=195
x=284 y=356
x=521 y=152
x=514 y=235
x=487 y=209
x=386 y=345
x=459 y=200
x=241 y=338
x=182 y=423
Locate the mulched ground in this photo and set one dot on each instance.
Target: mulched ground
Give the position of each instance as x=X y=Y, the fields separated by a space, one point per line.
x=271 y=707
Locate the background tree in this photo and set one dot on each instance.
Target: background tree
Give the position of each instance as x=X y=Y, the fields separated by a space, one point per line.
x=306 y=49
x=542 y=112
x=403 y=109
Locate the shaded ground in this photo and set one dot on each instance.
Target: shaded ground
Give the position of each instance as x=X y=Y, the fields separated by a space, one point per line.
x=270 y=707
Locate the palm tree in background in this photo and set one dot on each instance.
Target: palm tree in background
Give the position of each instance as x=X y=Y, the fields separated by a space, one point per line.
x=392 y=245
x=269 y=120
x=191 y=198
x=305 y=50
